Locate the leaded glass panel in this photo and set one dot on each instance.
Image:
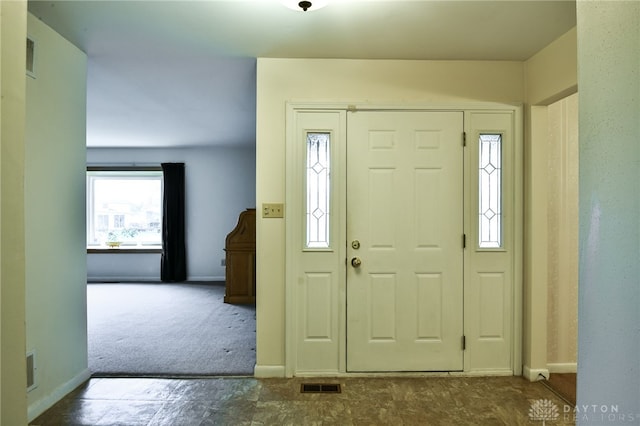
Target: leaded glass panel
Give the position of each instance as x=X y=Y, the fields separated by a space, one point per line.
x=318 y=190
x=490 y=191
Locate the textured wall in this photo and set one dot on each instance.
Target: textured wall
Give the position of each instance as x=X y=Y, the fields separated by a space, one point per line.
x=609 y=294
x=562 y=305
x=54 y=216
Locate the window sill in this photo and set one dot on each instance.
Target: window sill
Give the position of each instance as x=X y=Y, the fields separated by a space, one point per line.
x=123 y=250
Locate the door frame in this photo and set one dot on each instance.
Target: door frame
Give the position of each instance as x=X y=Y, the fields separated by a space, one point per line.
x=293 y=231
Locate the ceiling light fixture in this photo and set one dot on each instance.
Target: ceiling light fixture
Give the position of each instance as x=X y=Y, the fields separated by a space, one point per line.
x=304 y=5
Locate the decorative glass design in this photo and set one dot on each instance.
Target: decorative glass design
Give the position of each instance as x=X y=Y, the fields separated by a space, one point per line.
x=318 y=188
x=490 y=191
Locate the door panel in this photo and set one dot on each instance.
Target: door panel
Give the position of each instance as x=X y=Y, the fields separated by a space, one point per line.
x=405 y=208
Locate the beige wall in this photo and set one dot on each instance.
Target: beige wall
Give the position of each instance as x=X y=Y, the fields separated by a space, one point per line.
x=55 y=164
x=345 y=81
x=13 y=29
x=562 y=296
x=550 y=75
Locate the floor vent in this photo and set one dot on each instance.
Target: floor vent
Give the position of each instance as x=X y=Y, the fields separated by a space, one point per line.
x=320 y=388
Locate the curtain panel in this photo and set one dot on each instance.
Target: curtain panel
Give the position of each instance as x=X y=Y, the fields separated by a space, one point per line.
x=173 y=266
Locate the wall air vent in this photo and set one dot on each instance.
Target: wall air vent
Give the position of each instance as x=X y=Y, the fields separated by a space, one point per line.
x=31 y=52
x=31 y=371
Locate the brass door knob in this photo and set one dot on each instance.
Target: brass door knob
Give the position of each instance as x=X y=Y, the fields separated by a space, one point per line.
x=356 y=262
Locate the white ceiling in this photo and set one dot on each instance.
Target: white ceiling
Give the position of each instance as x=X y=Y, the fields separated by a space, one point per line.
x=182 y=73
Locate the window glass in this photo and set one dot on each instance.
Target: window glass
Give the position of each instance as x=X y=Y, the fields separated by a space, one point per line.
x=317 y=191
x=490 y=191
x=124 y=207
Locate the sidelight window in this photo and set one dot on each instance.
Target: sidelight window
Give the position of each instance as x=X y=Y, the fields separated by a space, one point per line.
x=318 y=185
x=490 y=191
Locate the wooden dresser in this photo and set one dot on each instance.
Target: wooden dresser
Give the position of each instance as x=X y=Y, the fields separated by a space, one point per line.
x=240 y=248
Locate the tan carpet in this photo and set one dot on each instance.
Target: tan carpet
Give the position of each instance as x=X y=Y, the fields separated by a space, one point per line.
x=153 y=329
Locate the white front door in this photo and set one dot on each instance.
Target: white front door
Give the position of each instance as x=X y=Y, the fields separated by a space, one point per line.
x=404 y=241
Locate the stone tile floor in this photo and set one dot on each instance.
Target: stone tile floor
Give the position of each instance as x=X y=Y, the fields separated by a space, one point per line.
x=440 y=400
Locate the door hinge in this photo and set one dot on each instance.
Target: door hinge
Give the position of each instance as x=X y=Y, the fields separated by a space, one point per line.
x=464 y=240
x=464 y=342
x=464 y=138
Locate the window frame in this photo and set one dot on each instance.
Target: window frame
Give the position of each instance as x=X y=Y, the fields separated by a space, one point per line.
x=309 y=244
x=89 y=206
x=500 y=189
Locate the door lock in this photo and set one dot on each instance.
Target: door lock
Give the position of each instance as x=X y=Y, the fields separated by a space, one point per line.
x=355 y=244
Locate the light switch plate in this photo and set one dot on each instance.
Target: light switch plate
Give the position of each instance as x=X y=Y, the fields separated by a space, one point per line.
x=272 y=210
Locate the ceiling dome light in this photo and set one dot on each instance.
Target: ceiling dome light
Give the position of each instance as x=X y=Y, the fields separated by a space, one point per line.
x=305 y=5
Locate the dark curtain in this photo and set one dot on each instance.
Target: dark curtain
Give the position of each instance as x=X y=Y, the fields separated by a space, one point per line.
x=173 y=266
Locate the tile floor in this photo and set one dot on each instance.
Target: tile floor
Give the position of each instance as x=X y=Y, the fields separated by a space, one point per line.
x=441 y=400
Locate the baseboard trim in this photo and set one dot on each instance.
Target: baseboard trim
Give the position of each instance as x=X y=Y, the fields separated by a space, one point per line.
x=139 y=279
x=40 y=406
x=411 y=374
x=269 y=371
x=535 y=374
x=482 y=373
x=207 y=278
x=126 y=279
x=563 y=367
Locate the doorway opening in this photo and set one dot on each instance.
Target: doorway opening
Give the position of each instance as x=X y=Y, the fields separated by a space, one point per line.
x=562 y=260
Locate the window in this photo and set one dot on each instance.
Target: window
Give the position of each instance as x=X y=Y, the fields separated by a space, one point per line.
x=118 y=221
x=490 y=191
x=124 y=205
x=102 y=224
x=317 y=190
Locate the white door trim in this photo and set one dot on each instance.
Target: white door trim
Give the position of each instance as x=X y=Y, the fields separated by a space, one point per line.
x=293 y=231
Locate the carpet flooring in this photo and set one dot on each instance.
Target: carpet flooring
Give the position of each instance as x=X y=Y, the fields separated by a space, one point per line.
x=149 y=329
